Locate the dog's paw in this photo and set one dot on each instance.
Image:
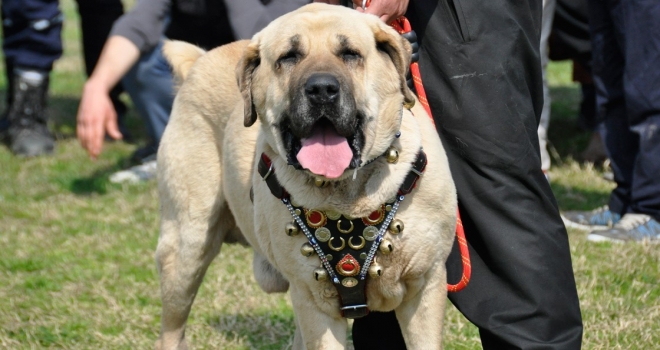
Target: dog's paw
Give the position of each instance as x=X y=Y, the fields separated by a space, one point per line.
x=268 y=277
x=160 y=346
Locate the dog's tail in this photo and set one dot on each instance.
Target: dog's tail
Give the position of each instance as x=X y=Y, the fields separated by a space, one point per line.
x=181 y=56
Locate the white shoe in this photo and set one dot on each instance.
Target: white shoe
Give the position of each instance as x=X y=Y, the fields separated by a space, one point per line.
x=138 y=173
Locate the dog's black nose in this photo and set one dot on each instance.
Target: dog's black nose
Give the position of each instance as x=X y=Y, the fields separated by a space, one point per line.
x=322 y=88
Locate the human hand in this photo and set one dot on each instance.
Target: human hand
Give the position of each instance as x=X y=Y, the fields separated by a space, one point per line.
x=386 y=10
x=96 y=116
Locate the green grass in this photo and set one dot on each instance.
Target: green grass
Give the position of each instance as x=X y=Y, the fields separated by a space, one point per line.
x=76 y=251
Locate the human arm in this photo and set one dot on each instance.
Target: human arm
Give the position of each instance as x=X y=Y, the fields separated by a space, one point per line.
x=96 y=113
x=137 y=31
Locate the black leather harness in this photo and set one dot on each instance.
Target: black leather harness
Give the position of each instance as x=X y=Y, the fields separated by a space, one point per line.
x=346 y=246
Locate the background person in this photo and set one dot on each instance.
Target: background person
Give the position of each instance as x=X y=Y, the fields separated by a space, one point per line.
x=32 y=42
x=132 y=52
x=133 y=55
x=625 y=37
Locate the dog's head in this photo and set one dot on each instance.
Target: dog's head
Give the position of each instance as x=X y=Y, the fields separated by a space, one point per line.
x=328 y=84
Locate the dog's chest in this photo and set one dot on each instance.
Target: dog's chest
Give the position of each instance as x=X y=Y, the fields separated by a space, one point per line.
x=353 y=238
x=347 y=256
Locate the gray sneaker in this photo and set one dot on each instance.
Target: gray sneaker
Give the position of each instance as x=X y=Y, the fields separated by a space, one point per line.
x=598 y=219
x=138 y=173
x=631 y=228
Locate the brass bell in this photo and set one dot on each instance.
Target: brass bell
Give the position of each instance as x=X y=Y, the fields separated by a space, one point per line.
x=291 y=229
x=375 y=270
x=320 y=274
x=392 y=155
x=409 y=105
x=386 y=247
x=306 y=249
x=396 y=226
x=320 y=182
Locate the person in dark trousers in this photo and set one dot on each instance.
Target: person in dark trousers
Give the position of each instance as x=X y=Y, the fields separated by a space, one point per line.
x=31 y=44
x=625 y=37
x=480 y=66
x=570 y=40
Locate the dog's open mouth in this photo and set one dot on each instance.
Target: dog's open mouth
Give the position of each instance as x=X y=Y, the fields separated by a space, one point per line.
x=323 y=151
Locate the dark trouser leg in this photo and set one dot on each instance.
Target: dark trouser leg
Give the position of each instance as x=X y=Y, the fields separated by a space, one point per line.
x=149 y=83
x=31 y=33
x=608 y=62
x=628 y=98
x=22 y=44
x=646 y=177
x=641 y=86
x=378 y=330
x=96 y=20
x=482 y=74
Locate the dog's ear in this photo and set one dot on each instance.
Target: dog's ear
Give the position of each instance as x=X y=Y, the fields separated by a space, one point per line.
x=181 y=56
x=244 y=71
x=400 y=52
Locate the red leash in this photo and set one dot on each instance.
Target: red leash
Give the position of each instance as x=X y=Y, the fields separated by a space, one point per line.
x=402 y=25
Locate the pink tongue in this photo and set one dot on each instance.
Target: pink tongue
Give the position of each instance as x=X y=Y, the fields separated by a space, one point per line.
x=325 y=153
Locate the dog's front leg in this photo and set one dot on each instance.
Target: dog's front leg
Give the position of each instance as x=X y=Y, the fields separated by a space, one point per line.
x=422 y=316
x=185 y=250
x=318 y=329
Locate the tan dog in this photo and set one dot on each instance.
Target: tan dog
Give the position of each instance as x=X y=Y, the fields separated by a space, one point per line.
x=325 y=88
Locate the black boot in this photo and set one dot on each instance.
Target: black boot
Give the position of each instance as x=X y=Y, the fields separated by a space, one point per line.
x=28 y=134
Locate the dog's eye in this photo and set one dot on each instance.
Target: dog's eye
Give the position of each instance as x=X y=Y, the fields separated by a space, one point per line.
x=349 y=55
x=291 y=57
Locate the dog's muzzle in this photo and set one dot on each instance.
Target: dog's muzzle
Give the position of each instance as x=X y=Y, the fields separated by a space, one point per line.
x=323 y=108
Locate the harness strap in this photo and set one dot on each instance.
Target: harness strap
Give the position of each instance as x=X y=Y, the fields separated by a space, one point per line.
x=267 y=172
x=410 y=182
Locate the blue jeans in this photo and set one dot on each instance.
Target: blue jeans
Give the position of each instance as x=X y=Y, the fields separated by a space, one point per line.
x=149 y=84
x=626 y=52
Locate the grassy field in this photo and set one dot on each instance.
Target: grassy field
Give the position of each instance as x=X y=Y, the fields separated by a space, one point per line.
x=76 y=251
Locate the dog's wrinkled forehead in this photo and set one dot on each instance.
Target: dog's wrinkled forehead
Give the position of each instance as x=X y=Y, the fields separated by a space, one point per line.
x=304 y=32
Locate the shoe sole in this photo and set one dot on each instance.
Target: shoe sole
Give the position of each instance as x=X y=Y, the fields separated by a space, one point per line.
x=136 y=174
x=575 y=225
x=596 y=238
